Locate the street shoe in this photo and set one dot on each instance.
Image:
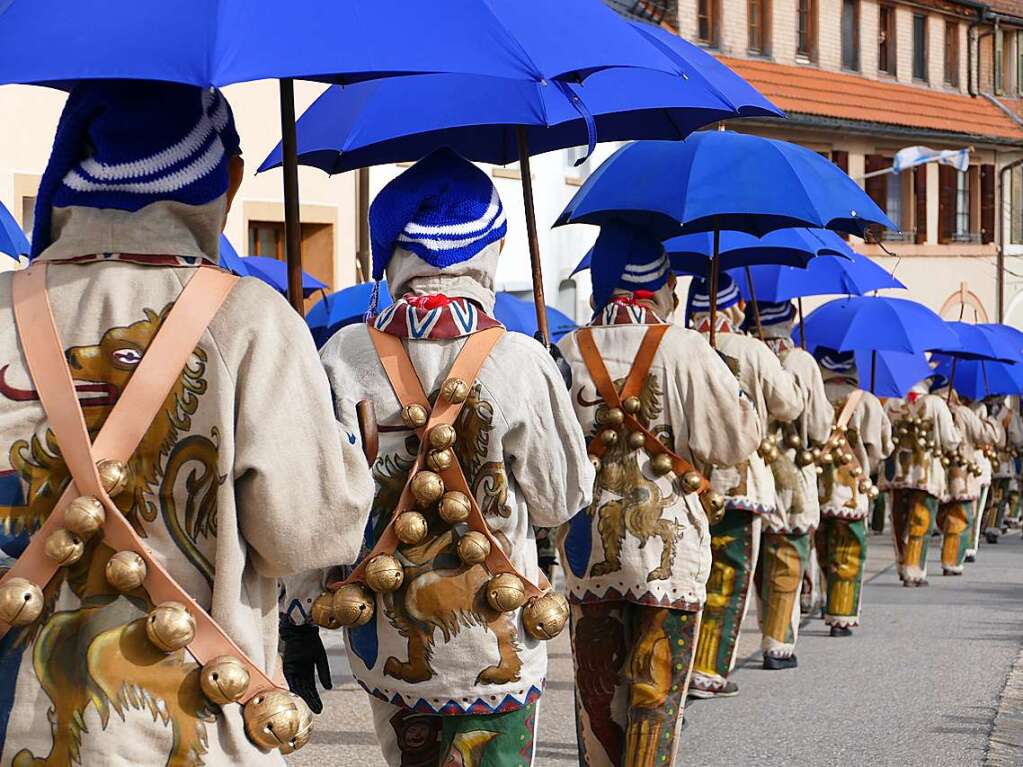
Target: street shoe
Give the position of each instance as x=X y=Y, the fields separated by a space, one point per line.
x=728 y=690
x=991 y=537
x=773 y=663
x=970 y=558
x=842 y=631
x=949 y=571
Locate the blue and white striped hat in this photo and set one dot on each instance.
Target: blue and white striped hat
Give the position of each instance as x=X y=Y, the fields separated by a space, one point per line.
x=836 y=362
x=771 y=313
x=699 y=295
x=444 y=209
x=626 y=258
x=126 y=144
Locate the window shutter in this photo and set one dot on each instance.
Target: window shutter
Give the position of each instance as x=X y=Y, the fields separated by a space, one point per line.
x=920 y=203
x=987 y=203
x=946 y=202
x=841 y=159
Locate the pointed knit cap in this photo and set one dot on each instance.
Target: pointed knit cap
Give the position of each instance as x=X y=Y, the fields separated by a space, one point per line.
x=836 y=362
x=699 y=295
x=626 y=258
x=126 y=144
x=771 y=313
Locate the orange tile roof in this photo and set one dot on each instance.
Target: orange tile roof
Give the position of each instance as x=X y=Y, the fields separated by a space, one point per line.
x=812 y=91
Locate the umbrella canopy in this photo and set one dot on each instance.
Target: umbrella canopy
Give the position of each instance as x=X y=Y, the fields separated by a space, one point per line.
x=877 y=322
x=1014 y=336
x=219 y=42
x=891 y=374
x=722 y=180
x=275 y=274
x=977 y=379
x=230 y=260
x=981 y=342
x=13 y=241
x=796 y=248
x=370 y=123
x=346 y=307
x=520 y=316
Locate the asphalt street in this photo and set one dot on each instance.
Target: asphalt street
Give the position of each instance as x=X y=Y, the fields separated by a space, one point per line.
x=918 y=685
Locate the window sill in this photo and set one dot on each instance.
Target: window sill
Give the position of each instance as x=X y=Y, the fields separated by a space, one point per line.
x=852 y=71
x=511 y=173
x=921 y=81
x=575 y=180
x=806 y=61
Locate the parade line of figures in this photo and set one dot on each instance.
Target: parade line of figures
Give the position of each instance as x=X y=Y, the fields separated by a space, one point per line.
x=173 y=456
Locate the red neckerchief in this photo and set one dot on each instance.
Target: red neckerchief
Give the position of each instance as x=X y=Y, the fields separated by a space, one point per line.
x=433 y=316
x=628 y=310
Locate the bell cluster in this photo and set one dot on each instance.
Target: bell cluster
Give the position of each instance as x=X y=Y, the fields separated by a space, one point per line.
x=837 y=453
x=916 y=434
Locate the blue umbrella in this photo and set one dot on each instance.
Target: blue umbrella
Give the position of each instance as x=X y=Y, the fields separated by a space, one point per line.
x=230 y=260
x=1013 y=336
x=13 y=241
x=980 y=342
x=275 y=274
x=892 y=374
x=346 y=307
x=877 y=323
x=979 y=378
x=519 y=316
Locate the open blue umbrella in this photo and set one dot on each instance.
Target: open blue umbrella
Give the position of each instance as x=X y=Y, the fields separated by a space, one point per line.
x=978 y=378
x=1012 y=336
x=891 y=374
x=519 y=316
x=346 y=307
x=877 y=323
x=230 y=260
x=981 y=342
x=275 y=274
x=13 y=241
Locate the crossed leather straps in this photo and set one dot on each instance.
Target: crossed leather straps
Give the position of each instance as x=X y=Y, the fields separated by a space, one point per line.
x=404 y=380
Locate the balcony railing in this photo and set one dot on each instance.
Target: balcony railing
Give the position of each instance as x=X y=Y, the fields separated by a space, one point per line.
x=654 y=11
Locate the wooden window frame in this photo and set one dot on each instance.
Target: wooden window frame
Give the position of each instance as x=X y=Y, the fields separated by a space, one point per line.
x=951 y=53
x=808 y=52
x=711 y=16
x=924 y=76
x=855 y=40
x=888 y=63
x=758 y=38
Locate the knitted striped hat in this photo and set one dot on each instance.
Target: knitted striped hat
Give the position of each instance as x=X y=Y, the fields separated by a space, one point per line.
x=626 y=258
x=771 y=313
x=836 y=362
x=699 y=295
x=443 y=209
x=126 y=144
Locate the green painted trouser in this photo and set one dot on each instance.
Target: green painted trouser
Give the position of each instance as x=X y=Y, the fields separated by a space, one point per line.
x=842 y=552
x=955 y=519
x=783 y=560
x=913 y=513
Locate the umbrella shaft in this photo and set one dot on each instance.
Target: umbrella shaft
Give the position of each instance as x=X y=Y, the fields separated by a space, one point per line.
x=802 y=327
x=714 y=289
x=292 y=220
x=753 y=298
x=534 y=240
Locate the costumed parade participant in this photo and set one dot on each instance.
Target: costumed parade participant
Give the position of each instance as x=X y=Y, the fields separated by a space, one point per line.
x=1005 y=492
x=448 y=612
x=984 y=456
x=656 y=403
x=150 y=506
x=748 y=486
x=862 y=440
x=787 y=537
x=914 y=475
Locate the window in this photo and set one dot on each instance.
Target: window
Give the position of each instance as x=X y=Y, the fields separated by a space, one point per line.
x=962 y=206
x=893 y=198
x=707 y=22
x=806 y=29
x=28 y=215
x=919 y=47
x=851 y=34
x=958 y=205
x=1016 y=210
x=952 y=53
x=894 y=194
x=886 y=40
x=266 y=238
x=757 y=16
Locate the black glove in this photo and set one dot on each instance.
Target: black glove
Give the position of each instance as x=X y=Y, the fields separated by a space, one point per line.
x=304 y=658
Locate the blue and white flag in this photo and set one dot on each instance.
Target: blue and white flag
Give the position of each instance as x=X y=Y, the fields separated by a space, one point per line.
x=912 y=156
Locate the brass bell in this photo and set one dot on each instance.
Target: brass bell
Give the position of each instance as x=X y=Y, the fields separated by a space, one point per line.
x=454 y=507
x=945 y=462
x=354 y=605
x=322 y=611
x=170 y=627
x=615 y=417
x=845 y=458
x=692 y=481
x=113 y=475
x=921 y=443
x=126 y=571
x=816 y=453
x=276 y=719
x=661 y=464
x=827 y=458
x=505 y=592
x=545 y=616
x=864 y=485
x=804 y=458
x=840 y=442
x=415 y=416
x=596 y=463
x=765 y=447
x=874 y=492
x=856 y=471
x=64 y=547
x=384 y=573
x=84 y=516
x=427 y=488
x=771 y=455
x=793 y=441
x=442 y=436
x=224 y=680
x=21 y=602
x=609 y=437
x=440 y=460
x=455 y=391
x=637 y=439
x=632 y=405
x=411 y=527
x=473 y=548
x=713 y=506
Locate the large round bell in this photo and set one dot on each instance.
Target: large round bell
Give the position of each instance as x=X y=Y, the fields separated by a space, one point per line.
x=596 y=463
x=804 y=458
x=716 y=505
x=845 y=458
x=411 y=527
x=442 y=436
x=64 y=547
x=384 y=573
x=415 y=416
x=113 y=476
x=631 y=405
x=765 y=447
x=455 y=391
x=545 y=616
x=609 y=437
x=126 y=571
x=661 y=464
x=170 y=627
x=771 y=455
x=276 y=719
x=840 y=442
x=827 y=458
x=615 y=417
x=505 y=592
x=322 y=611
x=874 y=492
x=793 y=441
x=637 y=439
x=224 y=680
x=354 y=605
x=816 y=453
x=454 y=507
x=945 y=461
x=440 y=460
x=427 y=488
x=921 y=443
x=21 y=602
x=473 y=548
x=864 y=485
x=84 y=516
x=692 y=481
x=856 y=471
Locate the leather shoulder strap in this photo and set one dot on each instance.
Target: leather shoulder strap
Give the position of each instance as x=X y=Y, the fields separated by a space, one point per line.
x=398 y=368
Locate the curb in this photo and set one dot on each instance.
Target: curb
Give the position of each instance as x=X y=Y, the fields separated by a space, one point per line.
x=1005 y=743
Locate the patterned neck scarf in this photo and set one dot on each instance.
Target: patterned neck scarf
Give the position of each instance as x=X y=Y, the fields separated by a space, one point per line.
x=433 y=317
x=626 y=310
